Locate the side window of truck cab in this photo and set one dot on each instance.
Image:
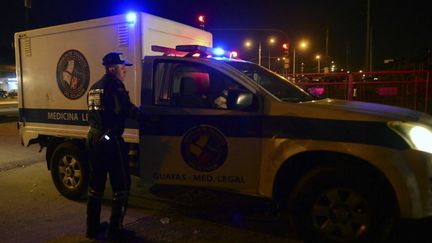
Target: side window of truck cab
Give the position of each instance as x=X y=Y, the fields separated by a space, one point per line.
x=193 y=85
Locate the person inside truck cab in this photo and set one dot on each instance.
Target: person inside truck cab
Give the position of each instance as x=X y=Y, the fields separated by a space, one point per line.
x=222 y=101
x=108 y=107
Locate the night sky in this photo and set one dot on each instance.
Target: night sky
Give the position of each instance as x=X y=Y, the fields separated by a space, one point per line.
x=400 y=29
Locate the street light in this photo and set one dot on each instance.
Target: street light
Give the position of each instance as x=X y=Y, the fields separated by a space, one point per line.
x=271 y=42
x=318 y=57
x=253 y=29
x=302 y=45
x=27 y=7
x=248 y=44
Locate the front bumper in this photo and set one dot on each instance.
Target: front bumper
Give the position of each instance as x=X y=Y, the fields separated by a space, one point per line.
x=415 y=169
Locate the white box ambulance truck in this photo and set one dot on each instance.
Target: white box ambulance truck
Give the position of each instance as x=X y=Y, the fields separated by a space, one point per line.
x=342 y=171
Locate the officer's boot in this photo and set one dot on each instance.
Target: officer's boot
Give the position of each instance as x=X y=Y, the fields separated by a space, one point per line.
x=94 y=227
x=115 y=231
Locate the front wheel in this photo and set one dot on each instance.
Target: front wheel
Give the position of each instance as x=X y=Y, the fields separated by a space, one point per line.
x=342 y=205
x=70 y=170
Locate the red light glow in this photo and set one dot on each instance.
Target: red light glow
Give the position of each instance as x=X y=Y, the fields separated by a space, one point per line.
x=201 y=18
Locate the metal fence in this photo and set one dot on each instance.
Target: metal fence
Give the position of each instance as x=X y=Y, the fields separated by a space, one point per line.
x=410 y=89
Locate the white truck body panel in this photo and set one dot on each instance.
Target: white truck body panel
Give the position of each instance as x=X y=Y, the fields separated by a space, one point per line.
x=38 y=58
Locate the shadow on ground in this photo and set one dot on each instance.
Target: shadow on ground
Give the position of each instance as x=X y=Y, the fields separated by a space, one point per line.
x=232 y=210
x=259 y=215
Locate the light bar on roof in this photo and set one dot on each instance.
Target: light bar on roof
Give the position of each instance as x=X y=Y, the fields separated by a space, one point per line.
x=191 y=48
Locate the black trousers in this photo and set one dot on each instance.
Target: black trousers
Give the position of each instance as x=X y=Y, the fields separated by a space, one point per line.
x=108 y=157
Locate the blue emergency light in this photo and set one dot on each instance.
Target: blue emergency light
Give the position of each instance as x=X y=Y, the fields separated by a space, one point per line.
x=203 y=51
x=218 y=51
x=131 y=17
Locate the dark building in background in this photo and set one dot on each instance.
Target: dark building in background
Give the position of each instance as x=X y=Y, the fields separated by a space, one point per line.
x=422 y=61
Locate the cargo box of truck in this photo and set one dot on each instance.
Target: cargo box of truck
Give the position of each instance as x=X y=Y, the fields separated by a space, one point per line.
x=55 y=66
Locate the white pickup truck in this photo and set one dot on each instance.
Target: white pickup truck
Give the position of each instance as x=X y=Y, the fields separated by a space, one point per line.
x=342 y=171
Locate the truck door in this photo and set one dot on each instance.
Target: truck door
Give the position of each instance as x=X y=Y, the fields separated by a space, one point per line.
x=195 y=136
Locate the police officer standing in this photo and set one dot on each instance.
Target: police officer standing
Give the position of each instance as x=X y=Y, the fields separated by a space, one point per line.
x=109 y=106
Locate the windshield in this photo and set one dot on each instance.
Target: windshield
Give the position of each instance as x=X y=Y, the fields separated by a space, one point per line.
x=275 y=84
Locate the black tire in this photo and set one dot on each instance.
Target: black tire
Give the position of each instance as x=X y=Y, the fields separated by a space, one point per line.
x=70 y=171
x=333 y=204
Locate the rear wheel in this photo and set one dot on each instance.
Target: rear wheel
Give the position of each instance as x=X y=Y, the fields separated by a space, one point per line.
x=341 y=205
x=70 y=170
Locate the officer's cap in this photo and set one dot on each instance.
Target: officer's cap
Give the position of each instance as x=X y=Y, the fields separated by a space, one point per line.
x=113 y=58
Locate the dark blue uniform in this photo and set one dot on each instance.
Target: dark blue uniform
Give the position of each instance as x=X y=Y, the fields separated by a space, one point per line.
x=109 y=106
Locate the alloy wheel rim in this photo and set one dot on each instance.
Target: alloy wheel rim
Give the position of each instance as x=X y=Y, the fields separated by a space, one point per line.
x=70 y=172
x=341 y=214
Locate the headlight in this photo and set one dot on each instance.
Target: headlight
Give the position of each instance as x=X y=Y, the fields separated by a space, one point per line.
x=418 y=136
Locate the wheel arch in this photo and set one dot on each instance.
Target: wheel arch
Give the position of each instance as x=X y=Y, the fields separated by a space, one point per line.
x=69 y=167
x=294 y=168
x=52 y=143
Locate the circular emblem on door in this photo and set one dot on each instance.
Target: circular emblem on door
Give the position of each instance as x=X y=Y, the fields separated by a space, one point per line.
x=204 y=148
x=73 y=74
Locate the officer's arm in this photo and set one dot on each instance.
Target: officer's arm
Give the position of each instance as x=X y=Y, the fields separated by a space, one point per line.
x=123 y=106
